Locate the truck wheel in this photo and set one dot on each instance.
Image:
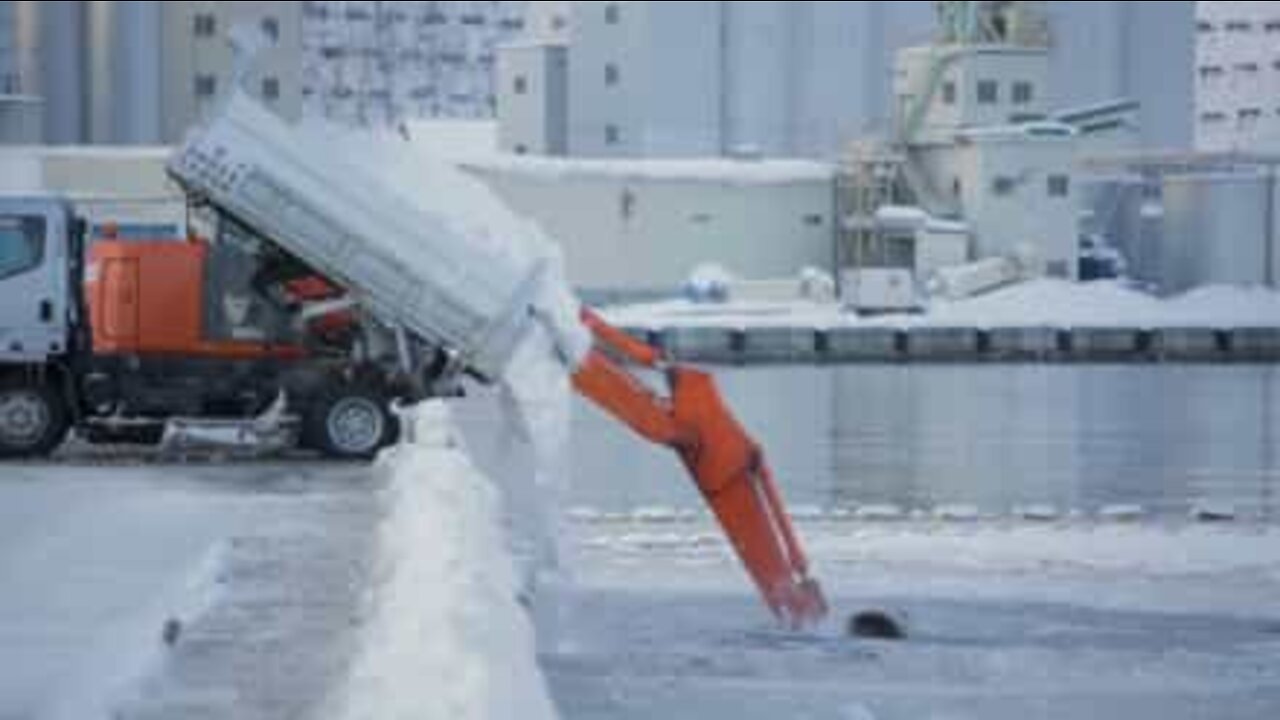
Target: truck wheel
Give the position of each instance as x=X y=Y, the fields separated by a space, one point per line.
x=351 y=424
x=33 y=420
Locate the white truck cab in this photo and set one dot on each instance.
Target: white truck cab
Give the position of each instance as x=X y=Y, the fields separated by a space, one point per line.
x=36 y=266
x=40 y=259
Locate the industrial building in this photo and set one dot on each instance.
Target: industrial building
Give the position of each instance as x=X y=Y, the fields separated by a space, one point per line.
x=1238 y=76
x=382 y=63
x=803 y=79
x=637 y=228
x=141 y=72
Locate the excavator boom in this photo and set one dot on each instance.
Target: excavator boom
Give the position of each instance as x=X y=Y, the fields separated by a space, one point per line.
x=727 y=466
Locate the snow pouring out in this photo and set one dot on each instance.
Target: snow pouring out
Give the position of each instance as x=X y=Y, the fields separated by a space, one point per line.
x=452 y=634
x=447 y=637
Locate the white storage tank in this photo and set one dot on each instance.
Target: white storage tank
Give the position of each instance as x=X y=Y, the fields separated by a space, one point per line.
x=1219 y=229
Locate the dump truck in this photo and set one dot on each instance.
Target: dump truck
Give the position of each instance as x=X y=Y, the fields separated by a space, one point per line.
x=328 y=291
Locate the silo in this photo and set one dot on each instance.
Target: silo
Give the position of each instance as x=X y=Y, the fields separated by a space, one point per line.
x=136 y=46
x=1143 y=51
x=1219 y=229
x=58 y=37
x=760 y=82
x=124 y=72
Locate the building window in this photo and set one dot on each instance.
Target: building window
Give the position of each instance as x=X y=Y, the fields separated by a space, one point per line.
x=1023 y=93
x=1247 y=67
x=521 y=85
x=949 y=92
x=612 y=13
x=988 y=92
x=612 y=135
x=271 y=88
x=1208 y=72
x=205 y=25
x=957 y=187
x=206 y=86
x=1059 y=185
x=612 y=75
x=522 y=149
x=1273 y=26
x=1212 y=117
x=815 y=220
x=1002 y=186
x=271 y=28
x=1239 y=26
x=1204 y=26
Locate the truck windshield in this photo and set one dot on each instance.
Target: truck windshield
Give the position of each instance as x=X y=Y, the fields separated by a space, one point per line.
x=21 y=244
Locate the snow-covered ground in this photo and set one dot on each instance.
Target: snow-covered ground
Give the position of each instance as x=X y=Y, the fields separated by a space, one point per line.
x=253 y=569
x=1039 y=303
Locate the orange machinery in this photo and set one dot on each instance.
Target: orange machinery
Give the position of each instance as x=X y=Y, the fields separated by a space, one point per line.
x=148 y=298
x=725 y=463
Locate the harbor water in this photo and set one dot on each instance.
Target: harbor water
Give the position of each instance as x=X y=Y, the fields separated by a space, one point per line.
x=1076 y=439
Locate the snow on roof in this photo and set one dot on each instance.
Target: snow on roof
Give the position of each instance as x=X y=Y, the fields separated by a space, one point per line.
x=702 y=170
x=474 y=144
x=158 y=153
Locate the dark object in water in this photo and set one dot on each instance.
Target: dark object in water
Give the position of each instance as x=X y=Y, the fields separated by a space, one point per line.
x=876 y=625
x=172 y=632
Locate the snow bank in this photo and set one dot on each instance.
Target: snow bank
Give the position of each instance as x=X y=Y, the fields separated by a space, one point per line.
x=1038 y=303
x=447 y=637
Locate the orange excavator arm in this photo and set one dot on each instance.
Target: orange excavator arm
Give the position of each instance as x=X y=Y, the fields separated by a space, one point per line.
x=725 y=463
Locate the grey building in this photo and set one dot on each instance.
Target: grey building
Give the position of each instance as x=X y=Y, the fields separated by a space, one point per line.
x=804 y=78
x=143 y=71
x=8 y=49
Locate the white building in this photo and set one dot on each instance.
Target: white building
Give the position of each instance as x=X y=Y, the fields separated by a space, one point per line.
x=972 y=128
x=806 y=78
x=1238 y=76
x=142 y=71
x=636 y=228
x=382 y=63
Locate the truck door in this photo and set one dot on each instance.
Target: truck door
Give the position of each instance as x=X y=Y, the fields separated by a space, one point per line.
x=34 y=292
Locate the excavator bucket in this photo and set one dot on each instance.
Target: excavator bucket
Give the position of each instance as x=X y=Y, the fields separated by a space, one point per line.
x=725 y=463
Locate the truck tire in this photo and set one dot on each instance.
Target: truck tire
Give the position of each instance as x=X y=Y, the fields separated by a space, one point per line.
x=351 y=423
x=34 y=420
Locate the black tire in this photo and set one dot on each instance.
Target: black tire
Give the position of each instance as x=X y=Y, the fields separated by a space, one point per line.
x=350 y=423
x=34 y=419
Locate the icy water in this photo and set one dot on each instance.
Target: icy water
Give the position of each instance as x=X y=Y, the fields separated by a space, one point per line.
x=1078 y=438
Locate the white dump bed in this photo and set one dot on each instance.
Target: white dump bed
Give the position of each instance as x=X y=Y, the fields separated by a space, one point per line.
x=401 y=251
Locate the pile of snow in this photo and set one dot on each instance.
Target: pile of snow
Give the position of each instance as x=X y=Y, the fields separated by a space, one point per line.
x=448 y=638
x=708 y=283
x=1056 y=303
x=1036 y=303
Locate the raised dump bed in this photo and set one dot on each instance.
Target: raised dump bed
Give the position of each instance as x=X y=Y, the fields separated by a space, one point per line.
x=398 y=247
